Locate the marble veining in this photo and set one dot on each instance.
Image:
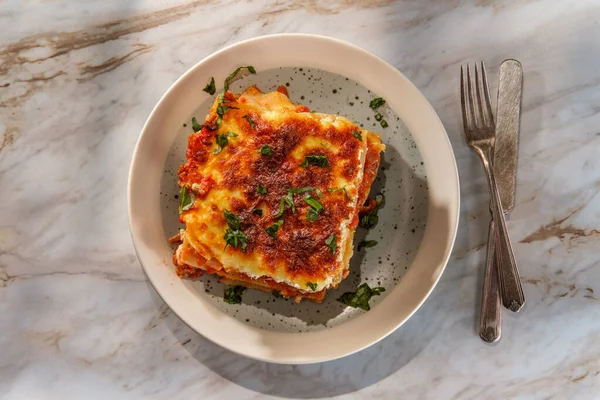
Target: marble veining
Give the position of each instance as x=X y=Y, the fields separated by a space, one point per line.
x=78 y=318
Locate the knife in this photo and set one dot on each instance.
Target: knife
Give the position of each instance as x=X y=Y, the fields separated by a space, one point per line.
x=508 y=113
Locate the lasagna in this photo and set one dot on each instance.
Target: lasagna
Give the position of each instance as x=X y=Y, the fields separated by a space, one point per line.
x=271 y=194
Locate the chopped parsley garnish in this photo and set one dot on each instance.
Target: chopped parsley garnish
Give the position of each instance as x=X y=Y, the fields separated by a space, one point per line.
x=260 y=189
x=252 y=124
x=331 y=241
x=233 y=295
x=320 y=161
x=195 y=125
x=300 y=190
x=376 y=102
x=235 y=239
x=378 y=117
x=371 y=219
x=257 y=211
x=314 y=203
x=366 y=243
x=281 y=208
x=186 y=199
x=289 y=199
x=357 y=134
x=233 y=220
x=360 y=298
x=318 y=192
x=233 y=235
x=312 y=215
x=276 y=293
x=315 y=208
x=222 y=141
x=265 y=150
x=340 y=188
x=383 y=123
x=312 y=286
x=210 y=87
x=234 y=73
x=221 y=110
x=272 y=230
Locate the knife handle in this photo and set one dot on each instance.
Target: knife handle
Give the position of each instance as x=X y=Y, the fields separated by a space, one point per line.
x=510 y=282
x=490 y=319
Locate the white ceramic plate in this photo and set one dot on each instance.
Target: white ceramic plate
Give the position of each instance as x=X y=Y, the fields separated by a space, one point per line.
x=417 y=226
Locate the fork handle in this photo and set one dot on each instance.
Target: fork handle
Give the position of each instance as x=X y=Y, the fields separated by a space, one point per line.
x=510 y=282
x=490 y=319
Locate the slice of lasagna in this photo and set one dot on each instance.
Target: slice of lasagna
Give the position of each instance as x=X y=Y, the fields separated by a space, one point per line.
x=271 y=194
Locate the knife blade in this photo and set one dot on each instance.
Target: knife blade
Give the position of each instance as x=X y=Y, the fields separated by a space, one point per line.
x=508 y=114
x=508 y=117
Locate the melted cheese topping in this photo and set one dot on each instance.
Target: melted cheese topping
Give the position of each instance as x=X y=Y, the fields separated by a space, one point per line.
x=228 y=180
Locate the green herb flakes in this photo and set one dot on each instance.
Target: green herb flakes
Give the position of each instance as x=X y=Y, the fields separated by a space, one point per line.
x=276 y=293
x=233 y=235
x=331 y=241
x=233 y=295
x=195 y=125
x=301 y=190
x=312 y=286
x=272 y=230
x=338 y=189
x=378 y=117
x=210 y=87
x=316 y=207
x=366 y=243
x=233 y=220
x=234 y=73
x=312 y=215
x=281 y=208
x=376 y=102
x=360 y=298
x=222 y=141
x=383 y=123
x=236 y=239
x=260 y=189
x=357 y=134
x=320 y=161
x=252 y=124
x=289 y=199
x=314 y=203
x=368 y=221
x=186 y=199
x=265 y=150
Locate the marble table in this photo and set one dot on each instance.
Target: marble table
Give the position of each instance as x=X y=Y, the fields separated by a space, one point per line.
x=77 y=316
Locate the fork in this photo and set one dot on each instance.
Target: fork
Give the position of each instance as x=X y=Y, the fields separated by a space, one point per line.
x=480 y=131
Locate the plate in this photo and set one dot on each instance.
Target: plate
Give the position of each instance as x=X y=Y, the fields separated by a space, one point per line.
x=417 y=227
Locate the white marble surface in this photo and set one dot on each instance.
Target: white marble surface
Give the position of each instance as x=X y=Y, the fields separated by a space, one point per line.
x=79 y=320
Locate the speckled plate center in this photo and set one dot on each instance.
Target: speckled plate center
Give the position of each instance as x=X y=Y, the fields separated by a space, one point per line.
x=401 y=224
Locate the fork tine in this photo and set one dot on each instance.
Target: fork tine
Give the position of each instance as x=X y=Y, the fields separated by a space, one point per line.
x=463 y=99
x=474 y=120
x=479 y=98
x=486 y=92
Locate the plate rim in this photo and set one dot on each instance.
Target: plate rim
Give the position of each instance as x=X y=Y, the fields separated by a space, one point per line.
x=284 y=336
